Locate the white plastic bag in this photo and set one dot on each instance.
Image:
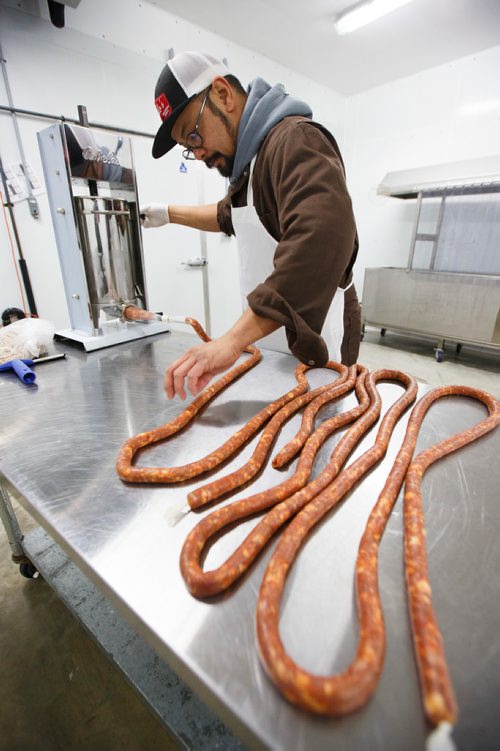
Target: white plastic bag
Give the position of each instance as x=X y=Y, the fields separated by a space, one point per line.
x=27 y=338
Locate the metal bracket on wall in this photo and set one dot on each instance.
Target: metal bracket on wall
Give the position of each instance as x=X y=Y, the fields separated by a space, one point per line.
x=32 y=202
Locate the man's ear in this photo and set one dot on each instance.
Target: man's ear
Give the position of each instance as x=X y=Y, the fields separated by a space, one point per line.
x=224 y=94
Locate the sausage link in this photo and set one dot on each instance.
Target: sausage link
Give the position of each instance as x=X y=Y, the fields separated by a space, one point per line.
x=124 y=464
x=198 y=329
x=295 y=445
x=133 y=313
x=438 y=697
x=347 y=691
x=206 y=583
x=129 y=473
x=306 y=503
x=288 y=494
x=317 y=397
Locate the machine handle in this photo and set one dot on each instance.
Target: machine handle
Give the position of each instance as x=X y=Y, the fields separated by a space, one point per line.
x=195 y=262
x=107 y=211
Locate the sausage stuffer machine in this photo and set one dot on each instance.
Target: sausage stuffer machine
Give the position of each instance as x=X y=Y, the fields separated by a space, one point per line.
x=92 y=194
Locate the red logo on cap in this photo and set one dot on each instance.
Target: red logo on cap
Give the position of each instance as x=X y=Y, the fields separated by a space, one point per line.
x=163 y=106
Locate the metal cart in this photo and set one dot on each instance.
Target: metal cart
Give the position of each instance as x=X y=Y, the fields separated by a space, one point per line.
x=450 y=289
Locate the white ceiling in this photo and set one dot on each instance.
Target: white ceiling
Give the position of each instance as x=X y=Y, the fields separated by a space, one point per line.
x=300 y=35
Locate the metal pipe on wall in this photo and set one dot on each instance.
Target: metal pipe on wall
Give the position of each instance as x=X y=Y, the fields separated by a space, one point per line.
x=74 y=120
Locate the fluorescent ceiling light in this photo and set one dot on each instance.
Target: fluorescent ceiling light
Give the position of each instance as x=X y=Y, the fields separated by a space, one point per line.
x=364 y=13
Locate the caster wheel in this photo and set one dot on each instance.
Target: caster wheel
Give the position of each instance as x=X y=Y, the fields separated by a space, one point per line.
x=439 y=355
x=382 y=332
x=28 y=570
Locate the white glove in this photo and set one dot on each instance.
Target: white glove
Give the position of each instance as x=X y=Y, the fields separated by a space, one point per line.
x=154 y=215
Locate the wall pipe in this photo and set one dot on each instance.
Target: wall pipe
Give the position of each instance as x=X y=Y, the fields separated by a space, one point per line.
x=75 y=120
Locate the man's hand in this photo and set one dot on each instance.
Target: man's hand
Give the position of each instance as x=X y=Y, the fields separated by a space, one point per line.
x=199 y=365
x=154 y=215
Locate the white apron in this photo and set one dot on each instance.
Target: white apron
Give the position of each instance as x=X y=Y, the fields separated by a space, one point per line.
x=256 y=249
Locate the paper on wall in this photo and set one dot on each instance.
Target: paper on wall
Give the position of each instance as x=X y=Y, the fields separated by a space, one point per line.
x=16 y=182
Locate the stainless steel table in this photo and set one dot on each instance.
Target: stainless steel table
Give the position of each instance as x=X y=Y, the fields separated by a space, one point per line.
x=58 y=446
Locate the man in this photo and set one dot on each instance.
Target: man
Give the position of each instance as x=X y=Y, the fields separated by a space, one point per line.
x=287 y=204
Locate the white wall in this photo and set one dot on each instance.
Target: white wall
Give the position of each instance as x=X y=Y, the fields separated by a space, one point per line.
x=450 y=112
x=108 y=58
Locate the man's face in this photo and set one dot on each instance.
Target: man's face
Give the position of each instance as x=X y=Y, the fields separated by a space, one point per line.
x=215 y=128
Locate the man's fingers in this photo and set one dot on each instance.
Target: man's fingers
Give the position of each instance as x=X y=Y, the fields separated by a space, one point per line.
x=180 y=374
x=174 y=376
x=168 y=380
x=190 y=368
x=198 y=377
x=203 y=381
x=198 y=365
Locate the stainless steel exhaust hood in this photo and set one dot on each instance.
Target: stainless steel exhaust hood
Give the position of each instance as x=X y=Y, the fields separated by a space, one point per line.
x=468 y=176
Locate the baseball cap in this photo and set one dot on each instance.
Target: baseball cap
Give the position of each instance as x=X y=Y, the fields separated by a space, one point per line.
x=182 y=78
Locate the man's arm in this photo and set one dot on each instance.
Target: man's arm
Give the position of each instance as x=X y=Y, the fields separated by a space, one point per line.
x=200 y=364
x=198 y=217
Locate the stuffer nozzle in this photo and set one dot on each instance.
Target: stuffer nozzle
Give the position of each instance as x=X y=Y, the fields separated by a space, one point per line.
x=133 y=313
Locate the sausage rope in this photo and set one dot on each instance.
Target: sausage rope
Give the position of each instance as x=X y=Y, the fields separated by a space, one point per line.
x=306 y=504
x=315 y=399
x=347 y=691
x=292 y=494
x=203 y=584
x=296 y=398
x=124 y=465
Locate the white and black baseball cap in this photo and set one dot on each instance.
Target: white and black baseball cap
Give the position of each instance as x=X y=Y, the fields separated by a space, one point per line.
x=182 y=78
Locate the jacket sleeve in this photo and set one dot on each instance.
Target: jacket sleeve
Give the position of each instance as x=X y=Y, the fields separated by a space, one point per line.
x=317 y=236
x=224 y=219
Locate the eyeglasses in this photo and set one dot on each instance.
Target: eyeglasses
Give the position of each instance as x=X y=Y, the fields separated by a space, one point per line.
x=193 y=139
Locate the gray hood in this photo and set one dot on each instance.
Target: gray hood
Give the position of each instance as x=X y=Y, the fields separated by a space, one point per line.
x=266 y=106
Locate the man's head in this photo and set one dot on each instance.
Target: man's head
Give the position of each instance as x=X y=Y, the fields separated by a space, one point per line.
x=200 y=104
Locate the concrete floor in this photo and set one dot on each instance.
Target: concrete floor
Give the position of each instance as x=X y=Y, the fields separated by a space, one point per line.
x=58 y=691
x=475 y=367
